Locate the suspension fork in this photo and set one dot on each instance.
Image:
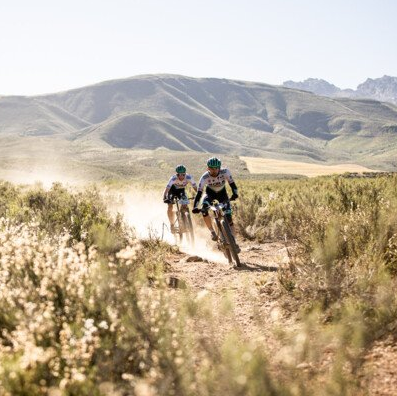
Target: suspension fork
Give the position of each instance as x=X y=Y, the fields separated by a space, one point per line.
x=219 y=227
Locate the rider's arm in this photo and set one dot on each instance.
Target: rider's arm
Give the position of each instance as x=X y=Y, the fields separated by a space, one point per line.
x=165 y=193
x=231 y=182
x=193 y=183
x=234 y=188
x=197 y=198
x=201 y=186
x=168 y=187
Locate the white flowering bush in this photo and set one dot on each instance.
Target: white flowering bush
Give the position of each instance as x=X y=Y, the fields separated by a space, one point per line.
x=87 y=310
x=71 y=320
x=78 y=319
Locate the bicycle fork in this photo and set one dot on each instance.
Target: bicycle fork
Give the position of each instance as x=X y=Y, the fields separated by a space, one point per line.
x=221 y=238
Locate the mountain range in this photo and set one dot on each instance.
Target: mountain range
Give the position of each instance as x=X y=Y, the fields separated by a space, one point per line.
x=206 y=115
x=383 y=89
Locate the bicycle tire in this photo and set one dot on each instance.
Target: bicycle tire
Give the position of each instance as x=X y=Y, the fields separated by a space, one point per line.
x=179 y=234
x=231 y=242
x=189 y=227
x=223 y=241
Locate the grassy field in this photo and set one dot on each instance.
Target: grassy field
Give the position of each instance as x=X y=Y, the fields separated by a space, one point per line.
x=273 y=166
x=73 y=164
x=76 y=164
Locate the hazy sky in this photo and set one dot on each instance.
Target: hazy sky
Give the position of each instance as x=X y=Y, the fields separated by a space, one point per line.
x=54 y=45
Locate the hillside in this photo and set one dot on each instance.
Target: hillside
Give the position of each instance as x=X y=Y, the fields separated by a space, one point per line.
x=209 y=116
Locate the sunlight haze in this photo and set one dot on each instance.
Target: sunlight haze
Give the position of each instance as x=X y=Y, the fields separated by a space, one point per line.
x=48 y=46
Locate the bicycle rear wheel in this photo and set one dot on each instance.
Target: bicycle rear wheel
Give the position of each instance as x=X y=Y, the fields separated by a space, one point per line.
x=231 y=242
x=179 y=229
x=189 y=227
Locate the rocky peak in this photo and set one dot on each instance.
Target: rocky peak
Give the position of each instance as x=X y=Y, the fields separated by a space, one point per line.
x=315 y=85
x=383 y=89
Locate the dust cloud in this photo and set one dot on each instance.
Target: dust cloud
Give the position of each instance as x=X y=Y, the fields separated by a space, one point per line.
x=143 y=210
x=146 y=212
x=33 y=176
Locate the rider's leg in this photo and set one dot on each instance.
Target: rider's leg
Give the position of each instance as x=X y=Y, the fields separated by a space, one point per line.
x=206 y=217
x=208 y=222
x=230 y=221
x=171 y=216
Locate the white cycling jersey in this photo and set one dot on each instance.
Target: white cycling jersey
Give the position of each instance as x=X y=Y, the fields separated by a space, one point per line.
x=216 y=183
x=179 y=184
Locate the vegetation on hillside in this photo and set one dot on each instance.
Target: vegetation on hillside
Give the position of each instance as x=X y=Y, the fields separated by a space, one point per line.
x=341 y=235
x=76 y=319
x=87 y=309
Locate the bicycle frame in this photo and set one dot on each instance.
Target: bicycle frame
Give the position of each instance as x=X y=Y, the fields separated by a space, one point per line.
x=217 y=210
x=183 y=223
x=226 y=242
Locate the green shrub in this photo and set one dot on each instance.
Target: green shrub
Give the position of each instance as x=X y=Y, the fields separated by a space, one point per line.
x=83 y=214
x=342 y=239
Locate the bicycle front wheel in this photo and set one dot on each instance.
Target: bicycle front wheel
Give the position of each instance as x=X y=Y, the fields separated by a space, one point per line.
x=223 y=244
x=230 y=241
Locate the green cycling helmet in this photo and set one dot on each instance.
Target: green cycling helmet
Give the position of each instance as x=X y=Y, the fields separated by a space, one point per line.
x=214 y=163
x=180 y=169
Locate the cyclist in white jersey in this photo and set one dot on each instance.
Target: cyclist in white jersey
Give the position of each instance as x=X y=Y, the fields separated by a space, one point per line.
x=214 y=182
x=176 y=188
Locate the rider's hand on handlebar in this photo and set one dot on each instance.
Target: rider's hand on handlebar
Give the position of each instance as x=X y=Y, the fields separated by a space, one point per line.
x=167 y=200
x=234 y=197
x=196 y=210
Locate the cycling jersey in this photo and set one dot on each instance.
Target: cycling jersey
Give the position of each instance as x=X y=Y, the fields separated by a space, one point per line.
x=179 y=184
x=215 y=188
x=217 y=183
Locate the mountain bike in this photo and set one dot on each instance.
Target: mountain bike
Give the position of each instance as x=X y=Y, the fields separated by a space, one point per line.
x=225 y=239
x=183 y=225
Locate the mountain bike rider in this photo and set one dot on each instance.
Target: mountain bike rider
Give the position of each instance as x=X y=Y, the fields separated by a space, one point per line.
x=214 y=181
x=176 y=188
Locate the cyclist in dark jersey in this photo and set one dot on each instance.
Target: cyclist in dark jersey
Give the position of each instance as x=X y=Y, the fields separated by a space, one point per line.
x=214 y=183
x=176 y=188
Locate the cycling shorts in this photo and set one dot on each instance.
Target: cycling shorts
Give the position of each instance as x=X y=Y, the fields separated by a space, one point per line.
x=220 y=196
x=176 y=192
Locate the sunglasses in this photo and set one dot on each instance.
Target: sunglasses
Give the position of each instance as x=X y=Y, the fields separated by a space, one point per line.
x=181 y=174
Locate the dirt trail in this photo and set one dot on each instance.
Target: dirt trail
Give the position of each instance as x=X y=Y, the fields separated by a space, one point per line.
x=256 y=306
x=380 y=368
x=204 y=268
x=251 y=288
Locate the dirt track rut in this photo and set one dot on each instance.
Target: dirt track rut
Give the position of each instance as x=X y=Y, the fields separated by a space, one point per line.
x=251 y=288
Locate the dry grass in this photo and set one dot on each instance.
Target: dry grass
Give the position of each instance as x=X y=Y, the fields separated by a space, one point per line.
x=80 y=311
x=273 y=166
